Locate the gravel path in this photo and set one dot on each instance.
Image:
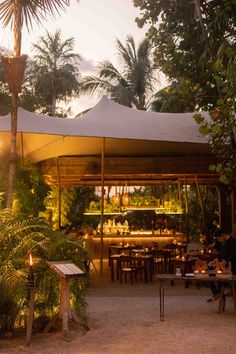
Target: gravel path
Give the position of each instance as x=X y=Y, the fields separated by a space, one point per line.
x=125 y=319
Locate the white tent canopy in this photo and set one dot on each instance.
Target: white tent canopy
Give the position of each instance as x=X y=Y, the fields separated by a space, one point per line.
x=127 y=131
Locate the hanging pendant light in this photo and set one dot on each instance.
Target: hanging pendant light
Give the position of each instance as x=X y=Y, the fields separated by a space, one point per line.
x=126 y=200
x=116 y=199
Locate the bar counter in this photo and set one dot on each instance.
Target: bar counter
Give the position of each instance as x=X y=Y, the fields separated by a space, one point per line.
x=145 y=238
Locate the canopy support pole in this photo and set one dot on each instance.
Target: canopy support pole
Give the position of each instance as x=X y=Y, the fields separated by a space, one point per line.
x=59 y=194
x=186 y=210
x=201 y=206
x=102 y=206
x=181 y=206
x=22 y=149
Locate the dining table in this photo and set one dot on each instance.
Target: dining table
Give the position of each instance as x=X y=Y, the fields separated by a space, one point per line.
x=145 y=260
x=162 y=278
x=118 y=249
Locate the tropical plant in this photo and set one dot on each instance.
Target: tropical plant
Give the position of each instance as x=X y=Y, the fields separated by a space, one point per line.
x=4 y=95
x=178 y=97
x=30 y=191
x=55 y=70
x=73 y=202
x=19 y=12
x=186 y=37
x=51 y=213
x=195 y=41
x=197 y=226
x=221 y=129
x=17 y=239
x=30 y=188
x=132 y=84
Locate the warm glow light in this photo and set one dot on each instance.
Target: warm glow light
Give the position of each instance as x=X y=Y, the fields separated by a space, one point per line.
x=30 y=259
x=125 y=199
x=116 y=199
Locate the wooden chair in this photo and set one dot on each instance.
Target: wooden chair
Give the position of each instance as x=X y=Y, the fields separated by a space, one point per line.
x=161 y=260
x=158 y=261
x=139 y=266
x=127 y=267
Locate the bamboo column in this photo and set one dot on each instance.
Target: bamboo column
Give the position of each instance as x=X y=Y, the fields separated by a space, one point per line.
x=59 y=193
x=201 y=205
x=22 y=149
x=102 y=206
x=186 y=209
x=181 y=206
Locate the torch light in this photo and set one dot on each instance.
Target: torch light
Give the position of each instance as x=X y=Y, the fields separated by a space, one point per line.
x=31 y=275
x=31 y=287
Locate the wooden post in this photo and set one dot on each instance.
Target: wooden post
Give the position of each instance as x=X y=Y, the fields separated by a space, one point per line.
x=65 y=307
x=181 y=206
x=201 y=206
x=22 y=149
x=186 y=209
x=59 y=193
x=66 y=270
x=30 y=317
x=102 y=206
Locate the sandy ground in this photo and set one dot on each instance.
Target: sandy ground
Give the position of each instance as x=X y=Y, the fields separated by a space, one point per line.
x=125 y=319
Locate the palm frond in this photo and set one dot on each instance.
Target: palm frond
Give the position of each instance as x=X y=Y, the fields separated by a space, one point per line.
x=14 y=279
x=31 y=10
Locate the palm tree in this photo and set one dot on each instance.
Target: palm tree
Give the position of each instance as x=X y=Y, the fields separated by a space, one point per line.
x=55 y=69
x=20 y=12
x=133 y=83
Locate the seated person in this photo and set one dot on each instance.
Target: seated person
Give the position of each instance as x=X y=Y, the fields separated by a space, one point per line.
x=226 y=254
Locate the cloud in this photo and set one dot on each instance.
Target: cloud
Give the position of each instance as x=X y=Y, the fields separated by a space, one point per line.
x=87 y=66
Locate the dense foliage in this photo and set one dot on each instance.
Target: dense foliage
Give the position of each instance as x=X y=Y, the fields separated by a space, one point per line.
x=17 y=239
x=194 y=45
x=187 y=36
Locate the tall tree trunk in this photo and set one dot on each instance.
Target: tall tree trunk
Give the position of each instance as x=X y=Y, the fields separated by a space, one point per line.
x=53 y=105
x=14 y=105
x=12 y=163
x=17 y=27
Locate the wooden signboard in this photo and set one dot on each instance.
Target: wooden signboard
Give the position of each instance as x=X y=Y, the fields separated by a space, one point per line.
x=66 y=270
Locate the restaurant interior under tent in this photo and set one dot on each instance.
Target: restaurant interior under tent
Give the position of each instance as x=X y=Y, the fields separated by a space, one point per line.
x=112 y=146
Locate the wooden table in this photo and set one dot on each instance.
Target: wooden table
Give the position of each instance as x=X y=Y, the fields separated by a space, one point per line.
x=119 y=249
x=147 y=261
x=172 y=277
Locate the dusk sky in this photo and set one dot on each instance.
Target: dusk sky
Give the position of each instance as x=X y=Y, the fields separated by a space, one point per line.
x=94 y=25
